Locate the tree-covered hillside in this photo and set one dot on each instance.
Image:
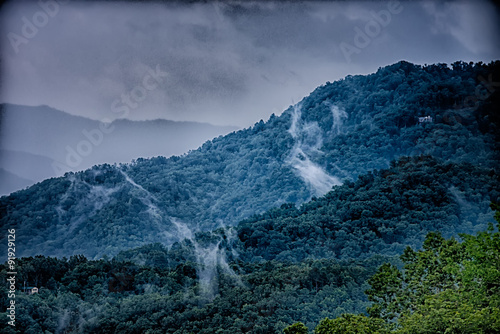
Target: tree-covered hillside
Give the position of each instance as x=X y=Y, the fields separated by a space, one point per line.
x=342 y=130
x=381 y=213
x=448 y=286
x=103 y=296
x=280 y=267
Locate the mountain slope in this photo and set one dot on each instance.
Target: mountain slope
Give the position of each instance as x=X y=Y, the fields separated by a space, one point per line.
x=380 y=214
x=343 y=129
x=279 y=268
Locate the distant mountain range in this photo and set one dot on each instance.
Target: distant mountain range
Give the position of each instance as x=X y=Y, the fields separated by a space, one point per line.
x=37 y=143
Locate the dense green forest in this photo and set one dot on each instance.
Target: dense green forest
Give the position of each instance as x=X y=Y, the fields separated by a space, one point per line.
x=239 y=280
x=103 y=296
x=447 y=287
x=381 y=213
x=342 y=215
x=341 y=130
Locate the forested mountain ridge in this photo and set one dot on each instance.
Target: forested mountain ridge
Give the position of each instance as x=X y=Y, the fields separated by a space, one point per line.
x=342 y=130
x=382 y=212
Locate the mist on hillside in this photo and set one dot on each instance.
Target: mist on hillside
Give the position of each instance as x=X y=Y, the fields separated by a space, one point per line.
x=308 y=142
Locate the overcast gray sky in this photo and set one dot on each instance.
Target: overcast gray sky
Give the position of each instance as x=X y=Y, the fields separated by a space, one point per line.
x=223 y=62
